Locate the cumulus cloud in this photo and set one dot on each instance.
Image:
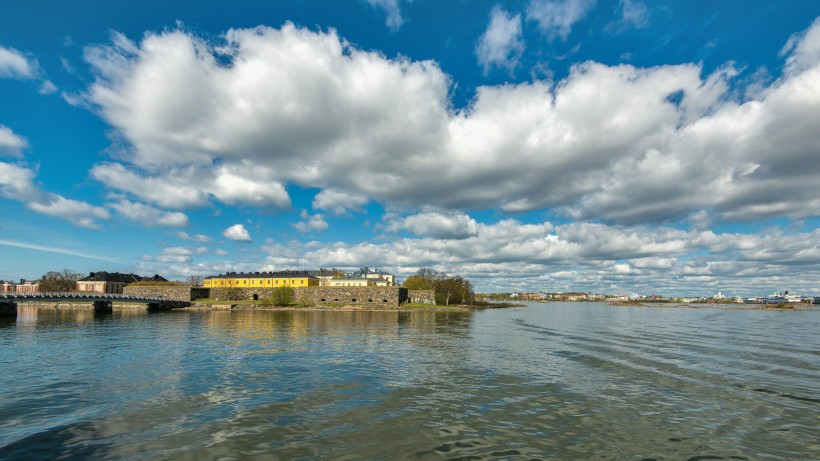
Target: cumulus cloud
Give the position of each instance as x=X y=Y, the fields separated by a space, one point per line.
x=310 y=222
x=17 y=183
x=192 y=186
x=14 y=64
x=437 y=224
x=802 y=50
x=393 y=10
x=179 y=254
x=237 y=233
x=337 y=202
x=200 y=238
x=555 y=18
x=149 y=216
x=238 y=119
x=584 y=256
x=502 y=44
x=76 y=212
x=11 y=144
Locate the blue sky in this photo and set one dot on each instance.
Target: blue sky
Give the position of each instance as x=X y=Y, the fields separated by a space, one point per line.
x=611 y=146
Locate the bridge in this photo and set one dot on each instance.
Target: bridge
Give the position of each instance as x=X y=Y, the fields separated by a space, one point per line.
x=102 y=301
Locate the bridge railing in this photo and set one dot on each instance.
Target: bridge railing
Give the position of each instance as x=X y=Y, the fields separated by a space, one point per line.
x=69 y=295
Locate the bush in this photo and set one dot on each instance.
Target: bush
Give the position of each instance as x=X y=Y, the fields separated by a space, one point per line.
x=283 y=296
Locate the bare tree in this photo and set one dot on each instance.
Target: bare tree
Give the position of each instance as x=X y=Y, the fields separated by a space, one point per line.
x=64 y=280
x=195 y=280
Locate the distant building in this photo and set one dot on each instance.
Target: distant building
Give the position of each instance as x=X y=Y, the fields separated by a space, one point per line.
x=111 y=282
x=353 y=282
x=386 y=279
x=25 y=286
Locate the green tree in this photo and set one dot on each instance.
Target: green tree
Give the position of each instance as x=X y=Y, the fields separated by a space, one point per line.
x=64 y=280
x=283 y=296
x=423 y=279
x=447 y=289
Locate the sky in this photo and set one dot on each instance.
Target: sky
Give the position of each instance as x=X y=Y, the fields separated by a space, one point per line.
x=668 y=147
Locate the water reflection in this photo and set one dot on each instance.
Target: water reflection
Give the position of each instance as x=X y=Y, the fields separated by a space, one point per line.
x=554 y=381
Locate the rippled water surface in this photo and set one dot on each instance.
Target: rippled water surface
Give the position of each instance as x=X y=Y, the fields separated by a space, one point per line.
x=547 y=381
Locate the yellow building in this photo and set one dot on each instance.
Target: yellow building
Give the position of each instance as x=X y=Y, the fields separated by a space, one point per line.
x=293 y=279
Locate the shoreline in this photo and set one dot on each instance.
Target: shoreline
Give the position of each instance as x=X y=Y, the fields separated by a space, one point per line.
x=726 y=307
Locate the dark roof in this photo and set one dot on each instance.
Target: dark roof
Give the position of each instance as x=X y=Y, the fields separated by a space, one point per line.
x=104 y=276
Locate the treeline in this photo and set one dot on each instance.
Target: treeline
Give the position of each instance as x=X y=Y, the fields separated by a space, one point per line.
x=448 y=289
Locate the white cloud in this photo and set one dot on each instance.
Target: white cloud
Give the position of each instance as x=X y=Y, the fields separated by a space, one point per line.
x=249 y=185
x=502 y=44
x=237 y=233
x=14 y=65
x=393 y=10
x=192 y=186
x=310 y=222
x=149 y=216
x=238 y=120
x=47 y=87
x=179 y=254
x=17 y=183
x=11 y=144
x=57 y=250
x=438 y=224
x=555 y=18
x=634 y=13
x=76 y=212
x=200 y=238
x=337 y=202
x=802 y=50
x=586 y=257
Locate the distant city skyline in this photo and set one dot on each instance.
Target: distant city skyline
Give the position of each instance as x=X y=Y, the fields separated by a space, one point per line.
x=560 y=145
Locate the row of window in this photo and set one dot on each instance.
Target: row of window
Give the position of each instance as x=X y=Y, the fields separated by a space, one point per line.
x=215 y=283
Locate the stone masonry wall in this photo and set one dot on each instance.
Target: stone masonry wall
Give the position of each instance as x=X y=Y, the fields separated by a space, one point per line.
x=171 y=293
x=422 y=296
x=377 y=297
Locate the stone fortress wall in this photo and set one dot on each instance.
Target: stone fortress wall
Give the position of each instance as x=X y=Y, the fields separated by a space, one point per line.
x=171 y=293
x=377 y=297
x=422 y=296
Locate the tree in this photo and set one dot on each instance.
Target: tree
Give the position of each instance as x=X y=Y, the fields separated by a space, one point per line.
x=233 y=294
x=64 y=280
x=447 y=289
x=423 y=279
x=195 y=280
x=283 y=296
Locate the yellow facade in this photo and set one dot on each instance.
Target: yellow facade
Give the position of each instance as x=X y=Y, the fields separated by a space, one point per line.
x=264 y=280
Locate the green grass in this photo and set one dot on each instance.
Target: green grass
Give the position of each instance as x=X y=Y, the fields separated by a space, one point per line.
x=427 y=306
